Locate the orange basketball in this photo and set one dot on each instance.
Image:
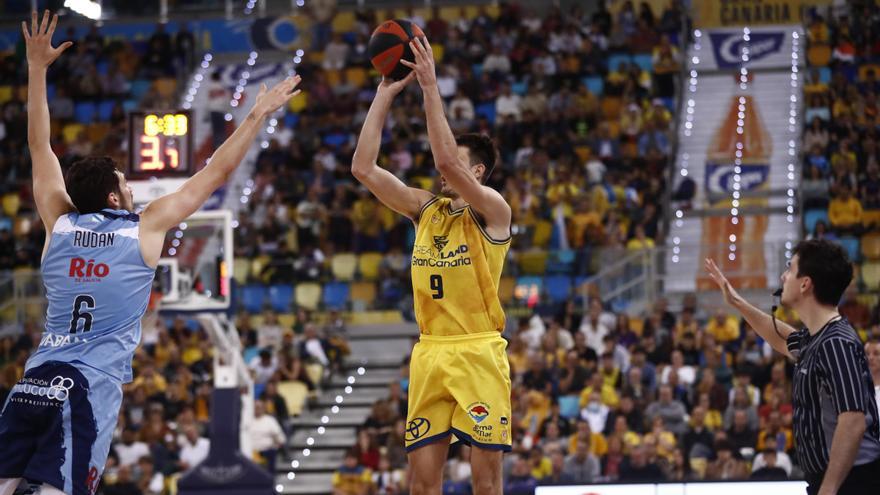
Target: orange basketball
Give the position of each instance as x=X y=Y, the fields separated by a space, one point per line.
x=389 y=44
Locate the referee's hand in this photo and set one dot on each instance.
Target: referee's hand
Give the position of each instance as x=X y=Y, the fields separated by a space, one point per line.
x=731 y=296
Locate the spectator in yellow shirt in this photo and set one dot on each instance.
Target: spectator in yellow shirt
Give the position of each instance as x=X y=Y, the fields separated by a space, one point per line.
x=724 y=327
x=845 y=211
x=153 y=383
x=607 y=392
x=597 y=442
x=639 y=240
x=352 y=479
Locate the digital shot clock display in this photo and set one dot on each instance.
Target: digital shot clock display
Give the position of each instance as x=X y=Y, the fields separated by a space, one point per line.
x=160 y=144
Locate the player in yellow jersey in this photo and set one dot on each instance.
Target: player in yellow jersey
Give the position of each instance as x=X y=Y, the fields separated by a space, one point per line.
x=459 y=374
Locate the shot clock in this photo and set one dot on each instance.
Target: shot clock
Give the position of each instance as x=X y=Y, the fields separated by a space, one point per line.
x=160 y=144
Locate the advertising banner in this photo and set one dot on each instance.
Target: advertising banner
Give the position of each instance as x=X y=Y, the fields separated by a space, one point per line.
x=700 y=488
x=767 y=47
x=739 y=13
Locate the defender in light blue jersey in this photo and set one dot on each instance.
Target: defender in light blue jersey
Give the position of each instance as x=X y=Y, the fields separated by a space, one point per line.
x=98 y=265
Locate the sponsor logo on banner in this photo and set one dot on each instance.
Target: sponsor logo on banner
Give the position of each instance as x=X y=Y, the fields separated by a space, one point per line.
x=718 y=13
x=728 y=46
x=720 y=177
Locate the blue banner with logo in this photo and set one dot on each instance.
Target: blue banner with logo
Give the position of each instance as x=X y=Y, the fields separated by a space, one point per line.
x=766 y=47
x=719 y=177
x=728 y=47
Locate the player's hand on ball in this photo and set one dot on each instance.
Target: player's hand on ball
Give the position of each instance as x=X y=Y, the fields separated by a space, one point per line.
x=731 y=296
x=424 y=62
x=391 y=87
x=40 y=53
x=269 y=100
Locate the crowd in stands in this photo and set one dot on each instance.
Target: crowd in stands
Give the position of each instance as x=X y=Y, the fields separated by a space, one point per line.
x=841 y=186
x=579 y=106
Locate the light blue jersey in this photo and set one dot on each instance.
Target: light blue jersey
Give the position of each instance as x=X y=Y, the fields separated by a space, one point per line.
x=98 y=287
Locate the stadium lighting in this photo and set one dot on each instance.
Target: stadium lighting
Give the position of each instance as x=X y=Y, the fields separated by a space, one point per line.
x=85 y=8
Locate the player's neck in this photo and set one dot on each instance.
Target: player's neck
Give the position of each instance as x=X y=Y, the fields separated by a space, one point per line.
x=458 y=203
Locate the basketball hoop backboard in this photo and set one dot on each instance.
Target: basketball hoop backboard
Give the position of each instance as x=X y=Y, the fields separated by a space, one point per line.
x=194 y=273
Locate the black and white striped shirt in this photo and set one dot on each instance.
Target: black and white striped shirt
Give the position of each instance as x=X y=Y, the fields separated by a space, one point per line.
x=831 y=376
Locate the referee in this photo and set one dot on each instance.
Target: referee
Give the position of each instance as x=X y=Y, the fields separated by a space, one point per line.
x=836 y=428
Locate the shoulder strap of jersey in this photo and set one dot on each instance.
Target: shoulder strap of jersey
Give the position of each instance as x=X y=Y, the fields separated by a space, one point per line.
x=425 y=207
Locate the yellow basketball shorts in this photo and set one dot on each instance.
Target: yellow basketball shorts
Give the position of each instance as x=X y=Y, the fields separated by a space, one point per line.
x=460 y=386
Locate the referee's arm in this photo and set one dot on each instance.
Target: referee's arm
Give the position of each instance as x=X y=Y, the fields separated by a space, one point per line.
x=759 y=320
x=840 y=360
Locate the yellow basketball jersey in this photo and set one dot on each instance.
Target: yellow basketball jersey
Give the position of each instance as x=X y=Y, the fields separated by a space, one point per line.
x=456 y=269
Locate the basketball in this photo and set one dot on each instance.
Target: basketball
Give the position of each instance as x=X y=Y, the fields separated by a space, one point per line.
x=389 y=44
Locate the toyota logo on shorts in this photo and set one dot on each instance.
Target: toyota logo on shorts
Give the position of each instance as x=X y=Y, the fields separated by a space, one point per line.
x=417 y=428
x=59 y=388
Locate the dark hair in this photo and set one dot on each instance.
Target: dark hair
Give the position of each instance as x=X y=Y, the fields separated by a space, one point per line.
x=481 y=150
x=827 y=265
x=89 y=181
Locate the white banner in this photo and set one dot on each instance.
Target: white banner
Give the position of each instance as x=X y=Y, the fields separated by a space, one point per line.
x=725 y=488
x=768 y=47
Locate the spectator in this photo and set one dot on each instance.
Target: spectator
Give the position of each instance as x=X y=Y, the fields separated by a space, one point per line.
x=351 y=478
x=581 y=466
x=129 y=450
x=773 y=456
x=266 y=434
x=637 y=468
x=194 y=448
x=149 y=481
x=263 y=366
x=671 y=411
x=725 y=466
x=845 y=211
x=520 y=481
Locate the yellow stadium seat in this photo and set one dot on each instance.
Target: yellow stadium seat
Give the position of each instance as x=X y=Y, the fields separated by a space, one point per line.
x=11 y=204
x=343 y=22
x=819 y=55
x=315 y=57
x=506 y=289
x=166 y=87
x=362 y=294
x=240 y=270
x=5 y=93
x=637 y=325
x=97 y=132
x=610 y=107
x=298 y=103
x=368 y=265
x=357 y=76
x=863 y=70
x=438 y=50
x=871 y=246
x=258 y=264
x=71 y=132
x=533 y=262
x=343 y=266
x=542 y=233
x=333 y=77
x=315 y=372
x=871 y=275
x=583 y=153
x=871 y=219
x=308 y=295
x=294 y=394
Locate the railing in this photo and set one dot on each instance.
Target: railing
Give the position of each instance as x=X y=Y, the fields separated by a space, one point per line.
x=639 y=278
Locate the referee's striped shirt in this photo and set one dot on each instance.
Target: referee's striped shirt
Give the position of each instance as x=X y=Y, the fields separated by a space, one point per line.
x=831 y=376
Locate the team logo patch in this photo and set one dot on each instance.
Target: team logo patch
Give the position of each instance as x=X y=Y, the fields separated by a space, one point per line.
x=416 y=429
x=504 y=420
x=478 y=411
x=440 y=242
x=435 y=218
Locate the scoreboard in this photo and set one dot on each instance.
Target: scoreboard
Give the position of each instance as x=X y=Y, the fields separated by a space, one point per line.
x=160 y=144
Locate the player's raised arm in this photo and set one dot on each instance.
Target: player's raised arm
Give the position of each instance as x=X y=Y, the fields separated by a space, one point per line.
x=166 y=212
x=383 y=184
x=453 y=166
x=50 y=194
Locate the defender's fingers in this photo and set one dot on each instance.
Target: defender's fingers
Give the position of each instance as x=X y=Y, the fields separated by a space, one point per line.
x=44 y=24
x=34 y=24
x=24 y=31
x=52 y=25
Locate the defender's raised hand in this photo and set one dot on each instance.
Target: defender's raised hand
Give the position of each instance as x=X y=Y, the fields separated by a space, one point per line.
x=270 y=100
x=424 y=63
x=40 y=53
